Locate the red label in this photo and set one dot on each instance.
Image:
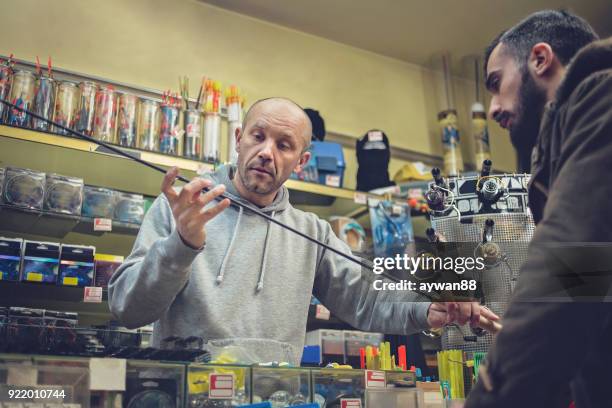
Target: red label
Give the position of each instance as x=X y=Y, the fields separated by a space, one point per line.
x=375 y=379
x=92 y=294
x=103 y=224
x=350 y=403
x=221 y=386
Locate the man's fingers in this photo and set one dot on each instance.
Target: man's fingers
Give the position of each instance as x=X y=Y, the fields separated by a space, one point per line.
x=191 y=191
x=451 y=312
x=210 y=195
x=212 y=212
x=464 y=312
x=486 y=312
x=168 y=182
x=475 y=313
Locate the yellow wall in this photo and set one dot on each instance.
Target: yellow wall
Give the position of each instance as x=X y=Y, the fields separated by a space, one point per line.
x=151 y=42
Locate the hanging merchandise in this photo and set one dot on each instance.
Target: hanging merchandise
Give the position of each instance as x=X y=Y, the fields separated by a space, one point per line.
x=212 y=121
x=391 y=227
x=6 y=72
x=21 y=95
x=234 y=103
x=318 y=124
x=24 y=188
x=453 y=162
x=98 y=202
x=44 y=99
x=66 y=106
x=373 y=156
x=126 y=128
x=104 y=117
x=447 y=118
x=63 y=194
x=148 y=125
x=87 y=106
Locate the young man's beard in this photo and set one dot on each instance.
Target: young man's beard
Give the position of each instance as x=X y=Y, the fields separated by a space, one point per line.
x=525 y=129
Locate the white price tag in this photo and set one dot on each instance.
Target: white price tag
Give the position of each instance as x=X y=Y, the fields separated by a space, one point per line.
x=375 y=136
x=221 y=386
x=103 y=224
x=332 y=180
x=360 y=198
x=92 y=294
x=375 y=379
x=107 y=374
x=350 y=403
x=322 y=313
x=396 y=210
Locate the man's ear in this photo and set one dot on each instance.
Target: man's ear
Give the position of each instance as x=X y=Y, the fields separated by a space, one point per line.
x=541 y=59
x=238 y=136
x=302 y=162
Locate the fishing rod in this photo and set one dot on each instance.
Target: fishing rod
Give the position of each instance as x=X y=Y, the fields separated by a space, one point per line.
x=491 y=326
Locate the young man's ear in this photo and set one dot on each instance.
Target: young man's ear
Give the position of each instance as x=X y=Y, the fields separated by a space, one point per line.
x=303 y=160
x=541 y=59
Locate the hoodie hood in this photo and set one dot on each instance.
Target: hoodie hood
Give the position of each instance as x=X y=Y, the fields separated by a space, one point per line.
x=224 y=175
x=594 y=57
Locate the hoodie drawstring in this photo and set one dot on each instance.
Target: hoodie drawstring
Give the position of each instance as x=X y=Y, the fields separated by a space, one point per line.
x=262 y=271
x=229 y=249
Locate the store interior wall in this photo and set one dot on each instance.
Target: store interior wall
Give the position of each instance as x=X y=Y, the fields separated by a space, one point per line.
x=149 y=43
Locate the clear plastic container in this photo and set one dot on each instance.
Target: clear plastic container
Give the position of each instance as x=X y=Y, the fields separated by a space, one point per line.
x=87 y=107
x=331 y=385
x=104 y=117
x=44 y=102
x=282 y=387
x=148 y=125
x=126 y=127
x=21 y=95
x=193 y=134
x=66 y=106
x=212 y=137
x=170 y=131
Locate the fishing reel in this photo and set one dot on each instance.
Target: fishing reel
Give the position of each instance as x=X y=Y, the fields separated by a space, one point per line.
x=488 y=250
x=438 y=192
x=489 y=189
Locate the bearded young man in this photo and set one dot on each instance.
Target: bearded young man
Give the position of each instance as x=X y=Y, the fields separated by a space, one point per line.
x=202 y=268
x=551 y=88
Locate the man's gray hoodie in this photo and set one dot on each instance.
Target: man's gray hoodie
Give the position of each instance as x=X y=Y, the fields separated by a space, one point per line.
x=251 y=284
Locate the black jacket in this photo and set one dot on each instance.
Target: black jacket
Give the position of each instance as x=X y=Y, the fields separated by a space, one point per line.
x=556 y=344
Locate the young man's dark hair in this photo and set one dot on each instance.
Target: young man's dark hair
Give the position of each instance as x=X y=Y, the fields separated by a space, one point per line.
x=565 y=32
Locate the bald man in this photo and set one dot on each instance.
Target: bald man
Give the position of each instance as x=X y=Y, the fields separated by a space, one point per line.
x=199 y=268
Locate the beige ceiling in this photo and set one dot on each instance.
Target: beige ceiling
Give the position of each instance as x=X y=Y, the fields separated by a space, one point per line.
x=412 y=30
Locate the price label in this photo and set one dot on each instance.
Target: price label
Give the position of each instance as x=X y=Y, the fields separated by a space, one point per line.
x=322 y=313
x=375 y=379
x=221 y=386
x=92 y=294
x=103 y=224
x=350 y=403
x=332 y=180
x=360 y=198
x=375 y=136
